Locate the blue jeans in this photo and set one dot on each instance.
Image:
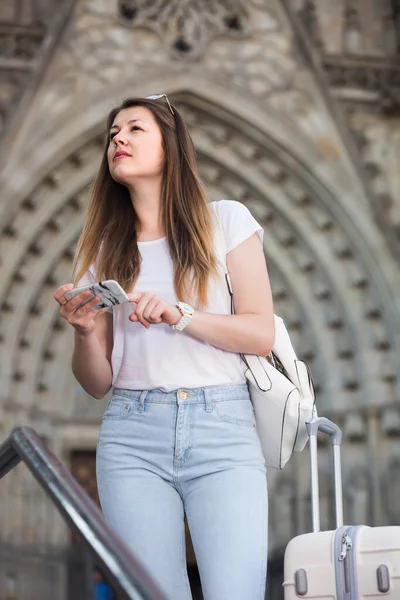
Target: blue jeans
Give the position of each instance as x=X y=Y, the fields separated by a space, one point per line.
x=195 y=451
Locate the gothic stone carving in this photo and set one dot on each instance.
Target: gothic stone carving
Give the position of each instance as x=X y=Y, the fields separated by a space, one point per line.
x=187 y=26
x=23 y=27
x=375 y=83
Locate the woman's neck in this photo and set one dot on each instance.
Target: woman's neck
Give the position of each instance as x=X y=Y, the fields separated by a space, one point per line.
x=146 y=200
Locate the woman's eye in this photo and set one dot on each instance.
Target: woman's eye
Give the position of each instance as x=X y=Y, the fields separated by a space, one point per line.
x=133 y=128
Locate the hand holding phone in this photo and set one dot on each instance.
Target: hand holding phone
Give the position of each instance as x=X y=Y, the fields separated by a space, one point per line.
x=109 y=292
x=81 y=306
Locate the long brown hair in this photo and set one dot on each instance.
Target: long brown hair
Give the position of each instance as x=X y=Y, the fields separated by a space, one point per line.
x=109 y=236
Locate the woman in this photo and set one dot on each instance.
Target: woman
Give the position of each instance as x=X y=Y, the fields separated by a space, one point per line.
x=178 y=434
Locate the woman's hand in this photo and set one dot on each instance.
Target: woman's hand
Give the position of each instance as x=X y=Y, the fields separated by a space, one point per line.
x=83 y=318
x=151 y=309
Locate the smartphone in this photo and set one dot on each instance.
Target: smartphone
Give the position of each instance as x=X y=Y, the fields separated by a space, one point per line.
x=109 y=292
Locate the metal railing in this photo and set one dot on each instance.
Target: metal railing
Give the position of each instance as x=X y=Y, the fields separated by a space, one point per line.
x=125 y=573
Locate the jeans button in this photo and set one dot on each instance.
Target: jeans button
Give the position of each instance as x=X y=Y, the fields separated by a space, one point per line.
x=183 y=395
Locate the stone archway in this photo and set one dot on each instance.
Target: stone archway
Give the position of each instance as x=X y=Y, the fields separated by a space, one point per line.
x=325 y=281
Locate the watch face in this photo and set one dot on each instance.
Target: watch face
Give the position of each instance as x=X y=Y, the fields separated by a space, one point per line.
x=186 y=307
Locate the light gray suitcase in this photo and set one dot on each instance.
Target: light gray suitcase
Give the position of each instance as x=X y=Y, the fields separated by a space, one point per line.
x=349 y=563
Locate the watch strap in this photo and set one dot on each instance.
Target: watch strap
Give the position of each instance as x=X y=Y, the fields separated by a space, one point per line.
x=181 y=324
x=185 y=320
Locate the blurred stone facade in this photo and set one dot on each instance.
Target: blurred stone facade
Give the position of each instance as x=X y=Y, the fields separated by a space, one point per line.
x=294 y=107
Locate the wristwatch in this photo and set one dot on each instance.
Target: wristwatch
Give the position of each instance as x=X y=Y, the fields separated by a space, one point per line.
x=187 y=313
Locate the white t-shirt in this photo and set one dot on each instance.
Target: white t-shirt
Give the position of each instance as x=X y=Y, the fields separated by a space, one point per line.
x=160 y=357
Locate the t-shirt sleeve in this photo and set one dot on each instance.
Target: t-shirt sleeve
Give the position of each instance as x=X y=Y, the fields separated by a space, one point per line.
x=87 y=278
x=237 y=222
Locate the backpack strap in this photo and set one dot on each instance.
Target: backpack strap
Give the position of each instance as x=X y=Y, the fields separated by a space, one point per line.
x=220 y=243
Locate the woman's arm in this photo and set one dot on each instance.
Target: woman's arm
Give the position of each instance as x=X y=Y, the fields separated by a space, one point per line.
x=91 y=359
x=251 y=329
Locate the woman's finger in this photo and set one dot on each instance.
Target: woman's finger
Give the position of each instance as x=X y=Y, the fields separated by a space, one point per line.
x=73 y=304
x=140 y=307
x=157 y=311
x=59 y=293
x=147 y=313
x=135 y=297
x=88 y=306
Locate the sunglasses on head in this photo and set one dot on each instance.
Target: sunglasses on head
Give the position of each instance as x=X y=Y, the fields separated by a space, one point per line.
x=158 y=96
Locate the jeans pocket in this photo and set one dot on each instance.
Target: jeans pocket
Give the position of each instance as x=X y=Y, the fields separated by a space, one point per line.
x=118 y=408
x=238 y=412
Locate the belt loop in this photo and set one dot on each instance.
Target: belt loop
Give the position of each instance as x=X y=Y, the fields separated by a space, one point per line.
x=141 y=400
x=207 y=401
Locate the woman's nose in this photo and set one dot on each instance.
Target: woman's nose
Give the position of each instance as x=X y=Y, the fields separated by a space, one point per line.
x=119 y=138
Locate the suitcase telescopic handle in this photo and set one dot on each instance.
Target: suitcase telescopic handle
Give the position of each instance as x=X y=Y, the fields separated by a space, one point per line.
x=335 y=435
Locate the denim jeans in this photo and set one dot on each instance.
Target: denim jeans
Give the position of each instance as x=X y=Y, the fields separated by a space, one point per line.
x=193 y=451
